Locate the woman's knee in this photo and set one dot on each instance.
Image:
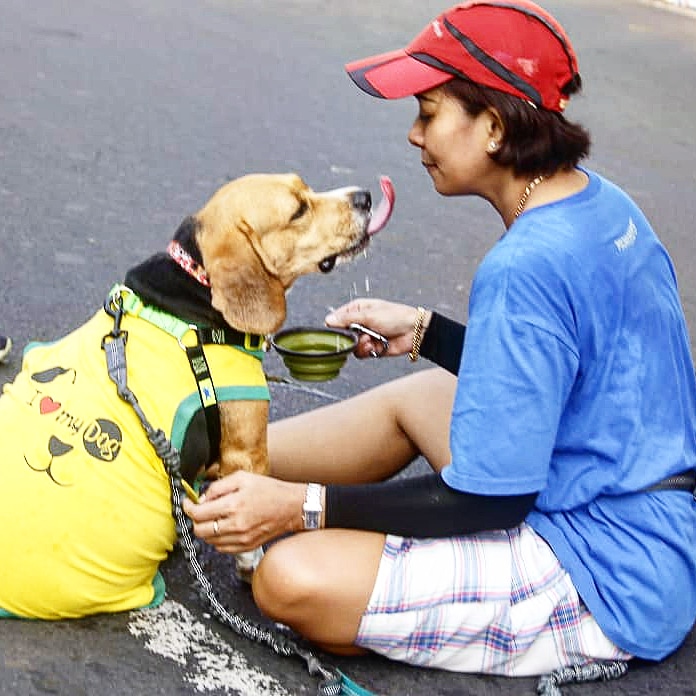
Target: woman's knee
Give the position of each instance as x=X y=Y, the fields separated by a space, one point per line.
x=426 y=428
x=283 y=582
x=320 y=583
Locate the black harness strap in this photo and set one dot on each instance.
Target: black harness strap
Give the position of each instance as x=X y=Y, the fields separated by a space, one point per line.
x=230 y=337
x=206 y=392
x=204 y=378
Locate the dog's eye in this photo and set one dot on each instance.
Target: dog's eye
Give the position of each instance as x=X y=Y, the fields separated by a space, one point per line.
x=303 y=208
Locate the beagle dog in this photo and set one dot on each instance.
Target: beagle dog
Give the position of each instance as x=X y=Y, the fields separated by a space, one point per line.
x=86 y=514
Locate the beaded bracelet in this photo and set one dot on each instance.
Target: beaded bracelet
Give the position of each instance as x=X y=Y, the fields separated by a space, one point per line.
x=417 y=335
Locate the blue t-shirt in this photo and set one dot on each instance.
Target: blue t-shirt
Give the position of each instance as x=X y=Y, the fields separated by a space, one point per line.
x=577 y=381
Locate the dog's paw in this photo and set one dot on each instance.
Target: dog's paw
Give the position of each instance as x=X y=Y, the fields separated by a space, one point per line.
x=246 y=563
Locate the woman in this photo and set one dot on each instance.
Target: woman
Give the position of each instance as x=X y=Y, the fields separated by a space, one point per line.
x=535 y=543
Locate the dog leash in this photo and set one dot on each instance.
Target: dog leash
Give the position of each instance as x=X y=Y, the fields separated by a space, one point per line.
x=114 y=346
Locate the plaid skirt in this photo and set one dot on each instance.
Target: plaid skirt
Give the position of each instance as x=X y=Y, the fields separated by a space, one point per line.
x=492 y=603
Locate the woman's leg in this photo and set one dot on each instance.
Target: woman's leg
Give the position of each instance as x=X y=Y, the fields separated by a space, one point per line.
x=319 y=583
x=368 y=437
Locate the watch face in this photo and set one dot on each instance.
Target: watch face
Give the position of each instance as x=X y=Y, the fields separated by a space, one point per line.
x=312 y=508
x=311 y=519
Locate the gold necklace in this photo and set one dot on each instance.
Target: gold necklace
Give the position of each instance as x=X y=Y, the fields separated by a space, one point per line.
x=527 y=192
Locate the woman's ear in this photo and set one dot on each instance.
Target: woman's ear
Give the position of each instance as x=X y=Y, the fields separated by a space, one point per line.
x=244 y=290
x=495 y=130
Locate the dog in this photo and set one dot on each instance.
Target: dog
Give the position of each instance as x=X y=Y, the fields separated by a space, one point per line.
x=86 y=514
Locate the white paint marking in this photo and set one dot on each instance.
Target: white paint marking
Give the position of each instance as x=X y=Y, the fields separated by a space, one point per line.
x=210 y=663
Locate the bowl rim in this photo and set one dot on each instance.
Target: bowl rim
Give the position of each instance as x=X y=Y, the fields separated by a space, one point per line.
x=315 y=329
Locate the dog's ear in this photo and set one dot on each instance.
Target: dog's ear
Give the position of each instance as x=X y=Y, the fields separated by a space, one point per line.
x=244 y=289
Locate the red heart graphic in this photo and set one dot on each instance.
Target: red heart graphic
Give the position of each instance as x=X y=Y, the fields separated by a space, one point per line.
x=48 y=405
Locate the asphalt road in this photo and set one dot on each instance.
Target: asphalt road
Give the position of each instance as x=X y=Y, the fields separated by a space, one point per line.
x=117 y=119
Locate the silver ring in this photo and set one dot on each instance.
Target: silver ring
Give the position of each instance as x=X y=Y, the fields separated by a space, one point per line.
x=216 y=527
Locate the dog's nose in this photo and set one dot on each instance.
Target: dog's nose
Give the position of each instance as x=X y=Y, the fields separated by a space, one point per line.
x=362 y=200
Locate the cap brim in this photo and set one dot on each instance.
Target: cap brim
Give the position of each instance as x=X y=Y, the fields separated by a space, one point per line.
x=395 y=75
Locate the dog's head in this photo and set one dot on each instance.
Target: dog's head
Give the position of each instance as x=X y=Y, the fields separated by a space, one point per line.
x=259 y=233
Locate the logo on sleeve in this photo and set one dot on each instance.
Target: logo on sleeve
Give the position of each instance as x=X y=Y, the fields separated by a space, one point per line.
x=628 y=238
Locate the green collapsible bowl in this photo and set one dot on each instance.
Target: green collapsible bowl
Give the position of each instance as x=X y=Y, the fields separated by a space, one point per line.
x=314 y=354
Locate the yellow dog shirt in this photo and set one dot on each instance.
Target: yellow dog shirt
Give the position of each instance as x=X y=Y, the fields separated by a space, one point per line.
x=80 y=480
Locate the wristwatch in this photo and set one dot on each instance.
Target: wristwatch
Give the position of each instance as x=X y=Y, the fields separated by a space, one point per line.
x=312 y=508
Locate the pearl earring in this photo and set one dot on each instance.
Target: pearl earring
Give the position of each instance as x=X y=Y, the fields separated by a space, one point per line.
x=492 y=146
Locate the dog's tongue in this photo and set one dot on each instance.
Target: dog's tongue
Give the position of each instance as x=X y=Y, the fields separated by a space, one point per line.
x=381 y=215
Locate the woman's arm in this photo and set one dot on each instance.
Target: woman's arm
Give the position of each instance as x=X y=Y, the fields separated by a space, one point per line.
x=423 y=506
x=443 y=342
x=443 y=339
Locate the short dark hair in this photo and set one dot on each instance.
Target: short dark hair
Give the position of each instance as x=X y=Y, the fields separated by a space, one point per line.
x=536 y=140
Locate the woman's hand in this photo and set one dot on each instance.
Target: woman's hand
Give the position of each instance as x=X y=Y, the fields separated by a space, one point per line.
x=243 y=510
x=394 y=321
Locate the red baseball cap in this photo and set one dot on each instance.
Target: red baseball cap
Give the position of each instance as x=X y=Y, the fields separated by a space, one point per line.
x=514 y=46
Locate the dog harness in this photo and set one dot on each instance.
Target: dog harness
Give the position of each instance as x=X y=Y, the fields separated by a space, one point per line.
x=191 y=339
x=95 y=482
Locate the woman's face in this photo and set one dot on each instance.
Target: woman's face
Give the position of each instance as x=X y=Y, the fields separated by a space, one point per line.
x=453 y=144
